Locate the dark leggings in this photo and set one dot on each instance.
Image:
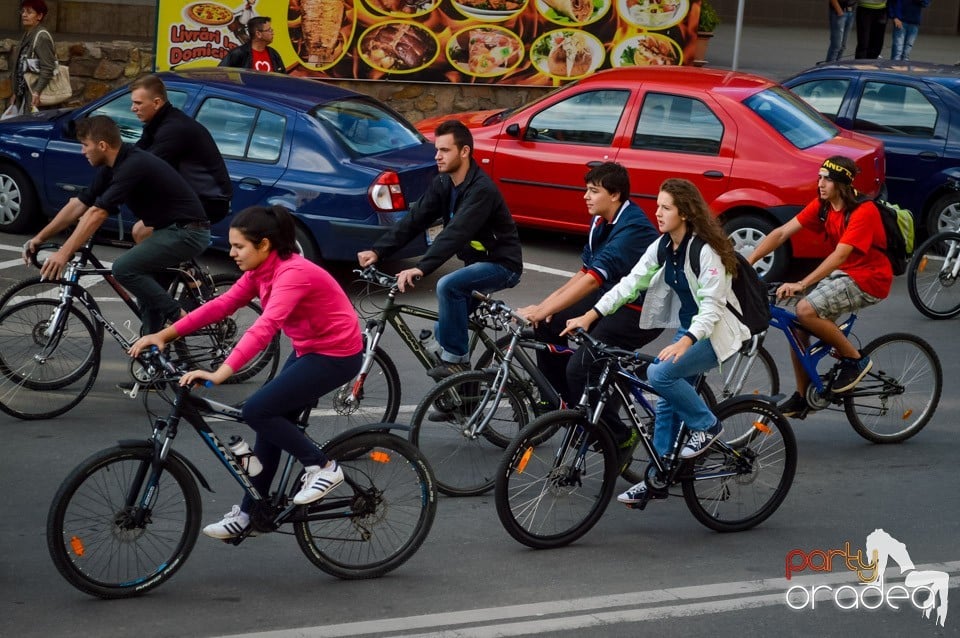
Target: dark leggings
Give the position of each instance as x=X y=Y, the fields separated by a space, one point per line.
x=272 y=411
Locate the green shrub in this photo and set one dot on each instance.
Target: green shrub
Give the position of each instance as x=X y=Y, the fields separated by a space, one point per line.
x=708 y=17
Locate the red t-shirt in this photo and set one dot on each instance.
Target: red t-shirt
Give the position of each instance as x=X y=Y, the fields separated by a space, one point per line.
x=261 y=60
x=867 y=265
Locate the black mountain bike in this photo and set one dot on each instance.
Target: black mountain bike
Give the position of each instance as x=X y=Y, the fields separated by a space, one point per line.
x=126 y=519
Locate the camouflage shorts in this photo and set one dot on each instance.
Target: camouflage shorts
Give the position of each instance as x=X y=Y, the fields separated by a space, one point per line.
x=838 y=294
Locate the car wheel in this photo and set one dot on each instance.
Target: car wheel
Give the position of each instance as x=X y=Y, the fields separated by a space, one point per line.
x=308 y=247
x=19 y=208
x=944 y=214
x=746 y=232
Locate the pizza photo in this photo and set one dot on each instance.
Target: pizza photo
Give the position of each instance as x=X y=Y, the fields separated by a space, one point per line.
x=209 y=14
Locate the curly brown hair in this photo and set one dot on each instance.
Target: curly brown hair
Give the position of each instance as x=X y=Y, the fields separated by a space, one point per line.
x=696 y=213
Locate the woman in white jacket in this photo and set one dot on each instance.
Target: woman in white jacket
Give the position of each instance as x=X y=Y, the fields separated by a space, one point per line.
x=708 y=331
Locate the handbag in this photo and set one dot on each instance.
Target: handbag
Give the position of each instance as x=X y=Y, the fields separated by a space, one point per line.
x=58 y=89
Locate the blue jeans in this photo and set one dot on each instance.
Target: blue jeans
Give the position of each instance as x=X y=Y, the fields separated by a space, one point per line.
x=454 y=296
x=273 y=409
x=136 y=270
x=679 y=402
x=840 y=27
x=903 y=39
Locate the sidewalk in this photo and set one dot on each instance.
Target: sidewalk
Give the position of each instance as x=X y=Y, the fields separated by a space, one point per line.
x=779 y=52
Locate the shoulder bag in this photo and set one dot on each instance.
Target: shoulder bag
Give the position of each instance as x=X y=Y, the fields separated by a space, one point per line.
x=58 y=89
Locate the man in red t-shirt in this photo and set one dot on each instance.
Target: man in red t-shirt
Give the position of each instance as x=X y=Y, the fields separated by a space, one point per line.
x=257 y=54
x=855 y=275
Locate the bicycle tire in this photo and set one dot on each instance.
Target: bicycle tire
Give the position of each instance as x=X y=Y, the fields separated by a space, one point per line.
x=39 y=288
x=763 y=380
x=931 y=278
x=900 y=394
x=741 y=500
x=208 y=347
x=91 y=539
x=33 y=389
x=386 y=519
x=542 y=500
x=375 y=399
x=465 y=465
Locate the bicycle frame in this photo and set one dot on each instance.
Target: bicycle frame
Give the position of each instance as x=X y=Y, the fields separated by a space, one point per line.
x=786 y=321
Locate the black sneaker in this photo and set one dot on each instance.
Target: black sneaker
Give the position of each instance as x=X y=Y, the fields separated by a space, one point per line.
x=851 y=372
x=445 y=369
x=700 y=440
x=640 y=494
x=439 y=416
x=795 y=407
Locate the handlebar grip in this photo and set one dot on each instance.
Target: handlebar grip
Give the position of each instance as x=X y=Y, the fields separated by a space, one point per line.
x=44 y=246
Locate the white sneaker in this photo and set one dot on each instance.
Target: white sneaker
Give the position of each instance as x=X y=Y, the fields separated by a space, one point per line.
x=232 y=525
x=318 y=482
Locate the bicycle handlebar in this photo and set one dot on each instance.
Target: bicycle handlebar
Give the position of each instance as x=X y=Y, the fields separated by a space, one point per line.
x=499 y=307
x=44 y=246
x=581 y=337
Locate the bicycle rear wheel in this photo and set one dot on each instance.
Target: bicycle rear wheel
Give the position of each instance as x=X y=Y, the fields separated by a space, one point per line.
x=932 y=276
x=901 y=392
x=101 y=541
x=552 y=490
x=373 y=399
x=465 y=464
x=380 y=524
x=739 y=483
x=44 y=376
x=762 y=380
x=208 y=347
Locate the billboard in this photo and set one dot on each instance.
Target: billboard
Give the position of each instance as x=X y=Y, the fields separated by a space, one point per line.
x=533 y=42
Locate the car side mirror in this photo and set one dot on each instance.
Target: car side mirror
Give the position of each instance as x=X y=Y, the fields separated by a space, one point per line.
x=513 y=130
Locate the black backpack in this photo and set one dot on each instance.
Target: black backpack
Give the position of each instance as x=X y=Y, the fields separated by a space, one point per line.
x=754 y=310
x=898 y=228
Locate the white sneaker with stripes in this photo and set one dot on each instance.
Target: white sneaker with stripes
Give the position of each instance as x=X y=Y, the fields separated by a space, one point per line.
x=233 y=523
x=318 y=482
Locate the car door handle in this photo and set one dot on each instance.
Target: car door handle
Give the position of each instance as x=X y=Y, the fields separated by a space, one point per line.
x=594 y=164
x=929 y=156
x=713 y=175
x=250 y=183
x=70 y=188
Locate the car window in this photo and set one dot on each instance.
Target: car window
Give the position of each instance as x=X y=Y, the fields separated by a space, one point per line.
x=825 y=96
x=677 y=123
x=790 y=116
x=118 y=110
x=366 y=128
x=585 y=118
x=895 y=109
x=242 y=131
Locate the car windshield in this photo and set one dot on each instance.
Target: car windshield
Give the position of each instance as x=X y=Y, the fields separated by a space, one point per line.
x=791 y=117
x=365 y=128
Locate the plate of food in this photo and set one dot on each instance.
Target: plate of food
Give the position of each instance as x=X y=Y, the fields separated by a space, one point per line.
x=649 y=49
x=322 y=31
x=573 y=12
x=209 y=14
x=402 y=8
x=398 y=47
x=653 y=14
x=490 y=10
x=566 y=53
x=484 y=51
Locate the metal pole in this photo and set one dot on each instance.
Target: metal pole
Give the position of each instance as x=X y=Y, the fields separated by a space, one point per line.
x=736 y=36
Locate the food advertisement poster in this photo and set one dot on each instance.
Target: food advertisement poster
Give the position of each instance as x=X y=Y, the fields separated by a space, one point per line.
x=533 y=42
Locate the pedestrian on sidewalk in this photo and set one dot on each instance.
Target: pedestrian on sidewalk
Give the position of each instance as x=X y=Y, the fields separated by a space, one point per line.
x=842 y=16
x=871 y=28
x=906 y=25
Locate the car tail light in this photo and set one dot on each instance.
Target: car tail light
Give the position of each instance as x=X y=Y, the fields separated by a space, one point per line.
x=386 y=194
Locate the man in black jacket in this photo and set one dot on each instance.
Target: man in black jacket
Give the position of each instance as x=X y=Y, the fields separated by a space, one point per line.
x=185 y=144
x=257 y=54
x=463 y=214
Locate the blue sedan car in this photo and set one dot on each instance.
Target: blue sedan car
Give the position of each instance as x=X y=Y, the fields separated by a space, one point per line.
x=346 y=165
x=914 y=108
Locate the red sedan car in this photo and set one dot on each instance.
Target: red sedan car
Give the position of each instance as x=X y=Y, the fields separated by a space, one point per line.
x=751 y=146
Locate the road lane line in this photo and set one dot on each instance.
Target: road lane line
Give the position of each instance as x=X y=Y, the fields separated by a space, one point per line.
x=547 y=269
x=532 y=618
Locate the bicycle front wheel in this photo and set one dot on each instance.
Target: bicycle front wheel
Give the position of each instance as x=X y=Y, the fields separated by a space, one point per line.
x=739 y=482
x=371 y=398
x=901 y=392
x=44 y=375
x=380 y=524
x=445 y=428
x=103 y=542
x=932 y=276
x=555 y=480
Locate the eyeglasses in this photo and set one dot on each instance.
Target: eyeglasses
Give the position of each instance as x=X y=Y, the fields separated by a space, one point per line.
x=267 y=30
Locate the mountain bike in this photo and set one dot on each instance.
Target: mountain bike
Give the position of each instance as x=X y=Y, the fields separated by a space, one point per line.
x=556 y=478
x=893 y=402
x=375 y=394
x=52 y=332
x=126 y=519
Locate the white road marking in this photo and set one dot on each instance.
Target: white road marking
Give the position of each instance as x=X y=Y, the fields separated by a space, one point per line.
x=589 y=612
x=547 y=270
